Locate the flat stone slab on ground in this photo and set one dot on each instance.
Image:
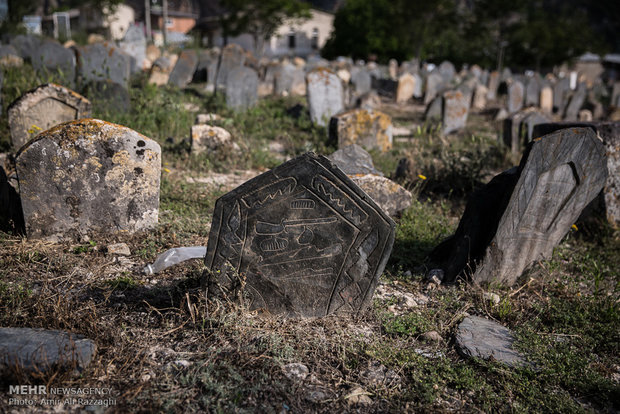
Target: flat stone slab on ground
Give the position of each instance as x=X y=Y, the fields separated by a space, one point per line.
x=306 y=239
x=89 y=175
x=40 y=350
x=477 y=337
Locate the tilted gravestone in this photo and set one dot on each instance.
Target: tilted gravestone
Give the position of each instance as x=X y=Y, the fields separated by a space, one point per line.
x=88 y=175
x=406 y=87
x=233 y=56
x=434 y=82
x=523 y=213
x=610 y=134
x=325 y=95
x=242 y=88
x=50 y=56
x=41 y=109
x=515 y=96
x=26 y=45
x=305 y=239
x=101 y=62
x=577 y=100
x=455 y=111
x=560 y=92
x=367 y=128
x=183 y=71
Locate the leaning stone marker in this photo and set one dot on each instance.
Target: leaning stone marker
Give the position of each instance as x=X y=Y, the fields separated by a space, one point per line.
x=241 y=88
x=27 y=350
x=455 y=111
x=523 y=213
x=477 y=337
x=325 y=95
x=88 y=175
x=515 y=96
x=41 y=109
x=307 y=240
x=184 y=68
x=102 y=62
x=368 y=128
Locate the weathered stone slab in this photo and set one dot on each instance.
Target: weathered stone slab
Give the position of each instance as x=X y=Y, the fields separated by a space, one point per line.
x=532 y=92
x=241 y=88
x=477 y=337
x=390 y=196
x=50 y=56
x=233 y=56
x=523 y=213
x=362 y=81
x=184 y=69
x=368 y=128
x=353 y=160
x=108 y=96
x=406 y=87
x=434 y=110
x=576 y=102
x=610 y=133
x=42 y=108
x=493 y=85
x=455 y=111
x=209 y=138
x=515 y=96
x=206 y=69
x=9 y=57
x=27 y=350
x=447 y=71
x=88 y=175
x=134 y=45
x=480 y=97
x=306 y=239
x=434 y=82
x=560 y=91
x=26 y=45
x=325 y=95
x=290 y=80
x=546 y=99
x=101 y=62
x=161 y=69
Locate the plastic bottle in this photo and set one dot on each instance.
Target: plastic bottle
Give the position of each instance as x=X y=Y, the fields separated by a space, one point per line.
x=175 y=256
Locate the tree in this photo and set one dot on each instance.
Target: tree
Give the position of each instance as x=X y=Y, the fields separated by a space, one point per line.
x=259 y=18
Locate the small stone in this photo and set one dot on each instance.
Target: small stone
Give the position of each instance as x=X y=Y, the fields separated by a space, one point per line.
x=435 y=276
x=295 y=371
x=432 y=336
x=407 y=273
x=492 y=297
x=120 y=249
x=182 y=363
x=207 y=118
x=209 y=138
x=358 y=396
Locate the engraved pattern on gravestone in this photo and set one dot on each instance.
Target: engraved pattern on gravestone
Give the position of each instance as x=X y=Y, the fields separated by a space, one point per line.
x=308 y=241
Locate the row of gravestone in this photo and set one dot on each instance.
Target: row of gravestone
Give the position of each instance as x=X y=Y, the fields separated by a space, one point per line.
x=308 y=240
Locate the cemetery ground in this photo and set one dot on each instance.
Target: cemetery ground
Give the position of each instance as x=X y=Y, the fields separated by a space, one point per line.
x=162 y=346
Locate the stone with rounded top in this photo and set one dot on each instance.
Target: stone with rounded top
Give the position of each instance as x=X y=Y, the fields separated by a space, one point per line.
x=325 y=95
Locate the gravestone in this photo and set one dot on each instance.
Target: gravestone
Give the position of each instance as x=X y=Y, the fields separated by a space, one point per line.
x=523 y=213
x=477 y=337
x=9 y=57
x=367 y=128
x=241 y=88
x=353 y=160
x=42 y=108
x=560 y=91
x=406 y=87
x=546 y=99
x=615 y=95
x=134 y=45
x=161 y=69
x=447 y=71
x=434 y=83
x=50 y=56
x=493 y=85
x=418 y=86
x=434 y=110
x=393 y=68
x=480 y=97
x=284 y=78
x=210 y=138
x=108 y=97
x=515 y=96
x=362 y=82
x=513 y=135
x=88 y=175
x=184 y=69
x=325 y=95
x=610 y=134
x=532 y=92
x=101 y=62
x=455 y=111
x=306 y=240
x=529 y=123
x=576 y=102
x=206 y=68
x=233 y=56
x=30 y=351
x=26 y=45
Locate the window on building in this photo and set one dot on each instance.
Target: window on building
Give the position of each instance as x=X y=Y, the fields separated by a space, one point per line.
x=314 y=42
x=291 y=39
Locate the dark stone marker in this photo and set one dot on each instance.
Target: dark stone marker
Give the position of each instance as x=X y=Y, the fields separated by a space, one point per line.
x=515 y=136
x=26 y=45
x=434 y=83
x=576 y=102
x=306 y=239
x=610 y=133
x=42 y=108
x=101 y=62
x=523 y=213
x=241 y=88
x=50 y=56
x=27 y=350
x=560 y=91
x=353 y=160
x=108 y=96
x=532 y=92
x=434 y=109
x=477 y=337
x=184 y=69
x=233 y=56
x=88 y=175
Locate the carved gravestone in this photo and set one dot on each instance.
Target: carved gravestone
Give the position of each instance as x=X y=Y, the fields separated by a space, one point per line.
x=307 y=240
x=50 y=56
x=241 y=88
x=233 y=56
x=183 y=71
x=88 y=175
x=325 y=95
x=523 y=213
x=455 y=110
x=101 y=62
x=367 y=128
x=41 y=109
x=515 y=96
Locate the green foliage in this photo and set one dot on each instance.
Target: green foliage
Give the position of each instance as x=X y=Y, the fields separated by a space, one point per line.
x=123 y=283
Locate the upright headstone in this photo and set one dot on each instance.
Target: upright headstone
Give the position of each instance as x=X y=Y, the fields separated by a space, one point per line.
x=447 y=71
x=9 y=57
x=393 y=68
x=88 y=176
x=515 y=96
x=51 y=56
x=546 y=99
x=434 y=110
x=532 y=92
x=455 y=111
x=512 y=133
x=306 y=239
x=161 y=69
x=367 y=128
x=233 y=56
x=134 y=45
x=523 y=213
x=434 y=82
x=284 y=78
x=576 y=102
x=42 y=108
x=325 y=95
x=241 y=88
x=26 y=45
x=480 y=97
x=615 y=95
x=406 y=87
x=184 y=69
x=560 y=91
x=102 y=62
x=493 y=85
x=418 y=86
